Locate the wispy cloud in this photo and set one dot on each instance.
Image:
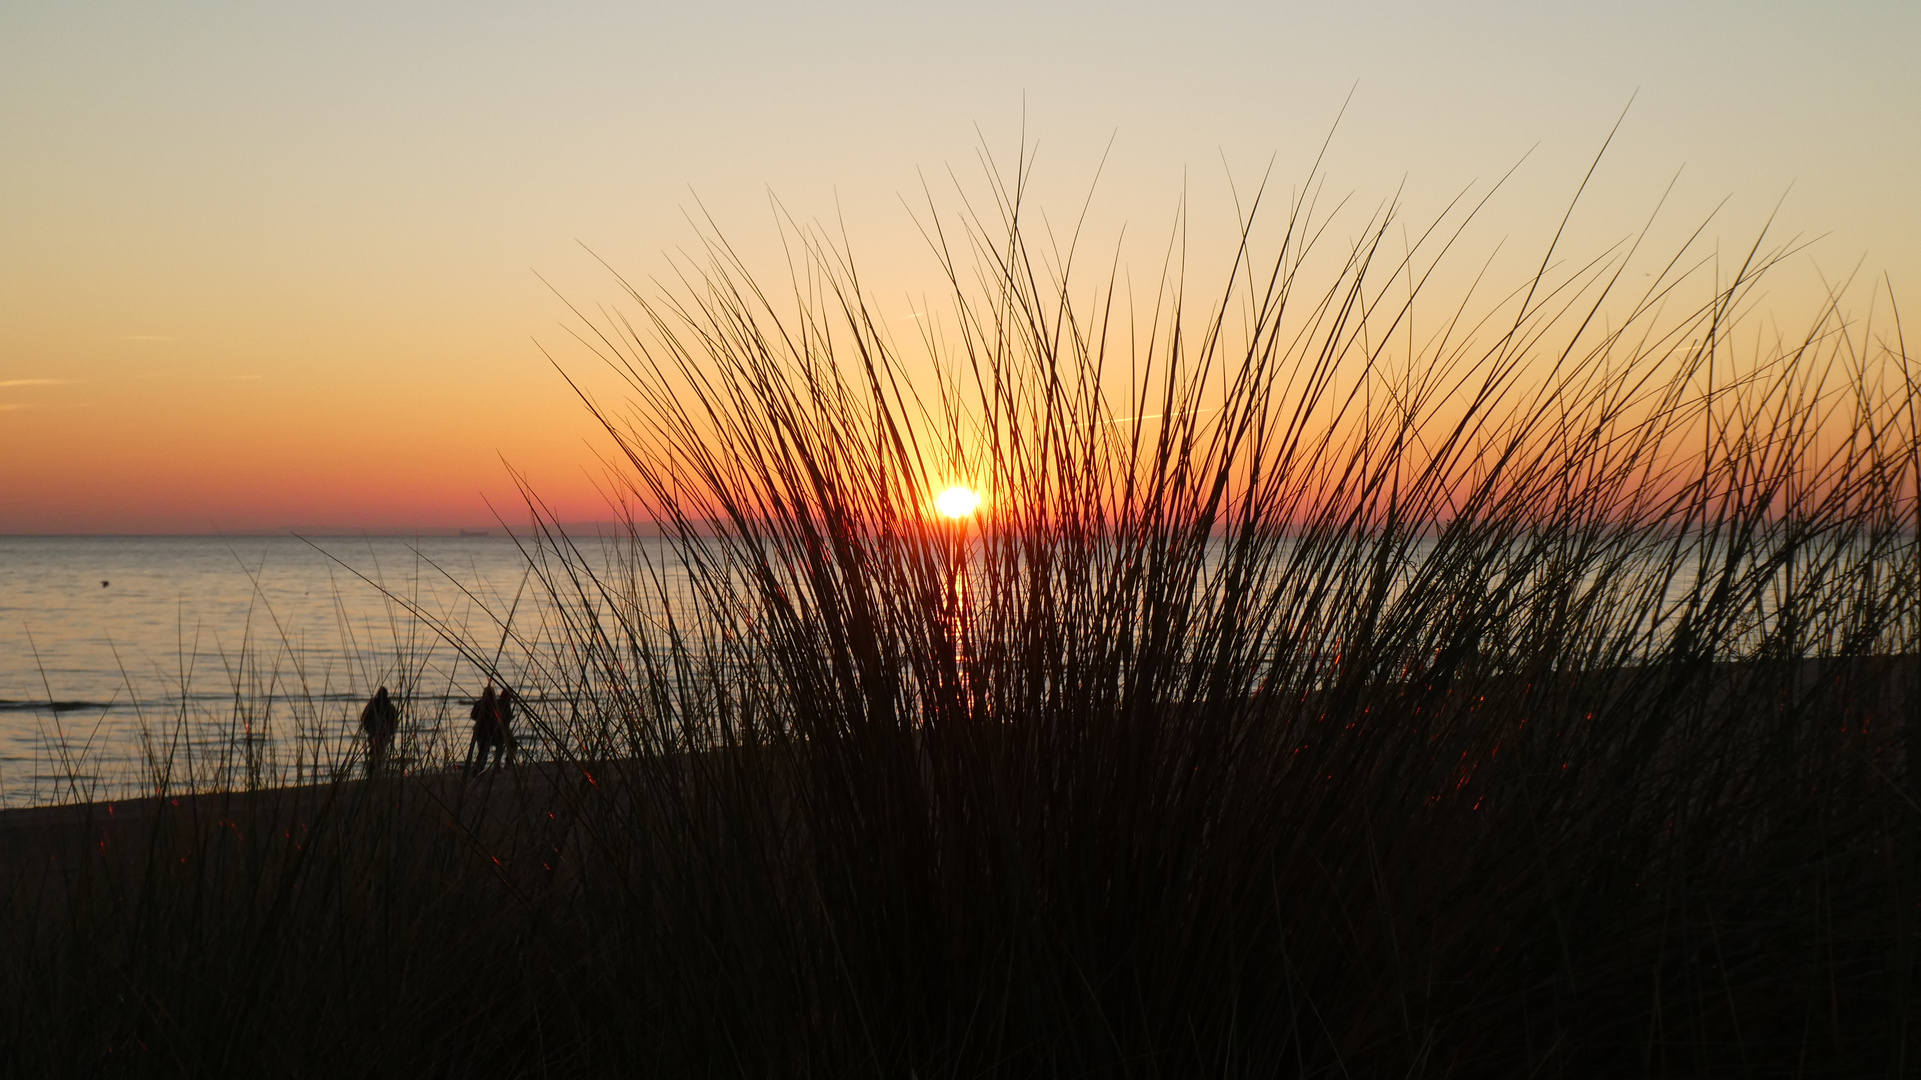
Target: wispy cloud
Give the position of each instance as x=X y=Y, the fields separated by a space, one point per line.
x=23 y=406
x=34 y=382
x=146 y=337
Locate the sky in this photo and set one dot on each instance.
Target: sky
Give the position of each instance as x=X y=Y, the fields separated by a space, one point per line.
x=303 y=266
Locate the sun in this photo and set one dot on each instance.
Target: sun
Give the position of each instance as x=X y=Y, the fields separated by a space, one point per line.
x=957 y=502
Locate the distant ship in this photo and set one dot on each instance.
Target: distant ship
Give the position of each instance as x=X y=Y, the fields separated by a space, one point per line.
x=473 y=532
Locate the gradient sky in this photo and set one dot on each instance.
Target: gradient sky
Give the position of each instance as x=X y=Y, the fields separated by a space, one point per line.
x=275 y=265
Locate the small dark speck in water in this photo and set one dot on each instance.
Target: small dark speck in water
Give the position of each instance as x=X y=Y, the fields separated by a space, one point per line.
x=103 y=584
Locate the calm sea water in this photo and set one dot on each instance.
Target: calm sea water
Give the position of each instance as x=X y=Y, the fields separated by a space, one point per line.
x=235 y=653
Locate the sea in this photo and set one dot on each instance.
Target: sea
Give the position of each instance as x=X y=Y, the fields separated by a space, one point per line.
x=132 y=663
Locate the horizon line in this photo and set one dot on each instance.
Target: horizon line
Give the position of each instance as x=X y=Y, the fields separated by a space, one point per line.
x=494 y=531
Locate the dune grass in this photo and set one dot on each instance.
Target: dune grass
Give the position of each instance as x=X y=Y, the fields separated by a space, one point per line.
x=1535 y=695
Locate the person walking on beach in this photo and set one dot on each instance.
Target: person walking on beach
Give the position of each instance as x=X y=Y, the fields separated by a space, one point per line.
x=379 y=719
x=486 y=738
x=504 y=733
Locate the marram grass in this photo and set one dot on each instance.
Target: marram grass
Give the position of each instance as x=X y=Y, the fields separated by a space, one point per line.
x=1534 y=696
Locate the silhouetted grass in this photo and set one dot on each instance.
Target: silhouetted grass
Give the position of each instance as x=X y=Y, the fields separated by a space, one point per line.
x=1534 y=695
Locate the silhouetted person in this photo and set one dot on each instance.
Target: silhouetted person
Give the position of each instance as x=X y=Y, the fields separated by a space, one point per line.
x=380 y=719
x=486 y=716
x=504 y=710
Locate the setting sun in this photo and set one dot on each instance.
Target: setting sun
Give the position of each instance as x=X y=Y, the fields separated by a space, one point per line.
x=958 y=502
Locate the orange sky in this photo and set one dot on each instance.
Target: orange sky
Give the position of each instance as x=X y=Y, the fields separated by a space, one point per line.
x=270 y=269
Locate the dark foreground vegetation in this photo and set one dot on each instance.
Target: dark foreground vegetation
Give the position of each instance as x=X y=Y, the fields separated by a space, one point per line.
x=1531 y=695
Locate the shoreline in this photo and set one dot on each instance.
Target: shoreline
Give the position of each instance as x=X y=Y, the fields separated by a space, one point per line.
x=546 y=778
